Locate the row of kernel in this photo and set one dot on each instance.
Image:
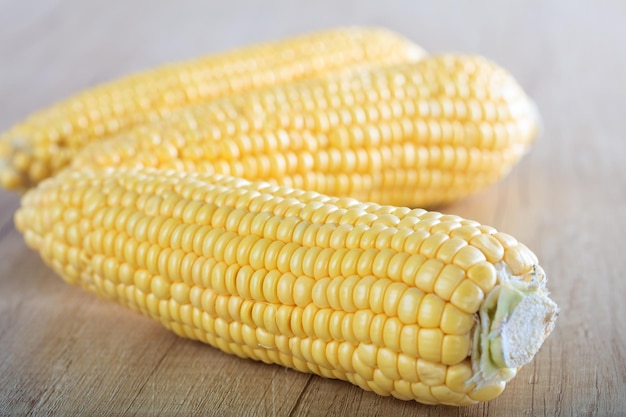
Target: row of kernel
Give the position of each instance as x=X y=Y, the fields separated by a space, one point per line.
x=363 y=326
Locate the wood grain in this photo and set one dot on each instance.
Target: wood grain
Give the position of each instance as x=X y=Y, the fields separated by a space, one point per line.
x=65 y=352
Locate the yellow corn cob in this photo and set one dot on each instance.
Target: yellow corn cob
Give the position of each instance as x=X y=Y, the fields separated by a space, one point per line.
x=46 y=141
x=414 y=134
x=408 y=303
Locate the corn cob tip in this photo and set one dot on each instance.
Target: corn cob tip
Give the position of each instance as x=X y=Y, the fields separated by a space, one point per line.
x=9 y=177
x=515 y=319
x=536 y=116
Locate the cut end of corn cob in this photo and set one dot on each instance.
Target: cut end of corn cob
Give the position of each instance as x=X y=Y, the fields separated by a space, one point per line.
x=410 y=303
x=514 y=321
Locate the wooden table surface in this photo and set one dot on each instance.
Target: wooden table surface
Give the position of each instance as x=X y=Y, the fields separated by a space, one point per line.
x=66 y=352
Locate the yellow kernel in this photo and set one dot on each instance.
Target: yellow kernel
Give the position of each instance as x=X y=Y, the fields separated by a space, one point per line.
x=361 y=325
x=335 y=262
x=449 y=278
x=331 y=353
x=339 y=235
x=126 y=274
x=318 y=352
x=383 y=240
x=285 y=229
x=421 y=391
x=167 y=228
x=387 y=362
x=449 y=249
x=455 y=349
x=381 y=384
x=446 y=396
x=209 y=240
x=180 y=292
x=391 y=334
x=283 y=262
x=321 y=324
x=430 y=344
x=346 y=291
x=396 y=266
x=406 y=367
x=296 y=260
x=360 y=294
x=381 y=263
x=221 y=306
x=174 y=262
x=467 y=257
x=506 y=240
x=455 y=321
x=409 y=339
x=431 y=310
x=296 y=323
x=377 y=328
x=244 y=252
x=413 y=268
x=160 y=287
x=484 y=275
x=366 y=262
x=361 y=368
x=186 y=267
x=322 y=238
x=465 y=232
x=255 y=285
x=303 y=290
x=367 y=354
x=270 y=286
x=409 y=305
x=398 y=240
x=336 y=323
x=392 y=297
x=345 y=354
x=353 y=239
x=218 y=274
x=467 y=296
x=335 y=293
x=285 y=289
x=377 y=294
x=414 y=241
x=425 y=273
x=520 y=259
x=109 y=267
x=489 y=246
x=208 y=301
x=347 y=329
x=271 y=255
x=458 y=377
x=309 y=261
x=282 y=321
x=487 y=392
x=431 y=244
x=402 y=390
x=319 y=293
x=349 y=262
x=431 y=373
x=256 y=256
x=271 y=227
x=369 y=236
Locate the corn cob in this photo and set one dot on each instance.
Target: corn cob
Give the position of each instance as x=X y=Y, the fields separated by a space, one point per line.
x=410 y=303
x=413 y=134
x=46 y=141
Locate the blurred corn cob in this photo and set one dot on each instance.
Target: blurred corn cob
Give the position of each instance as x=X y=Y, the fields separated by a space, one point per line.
x=47 y=141
x=414 y=134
